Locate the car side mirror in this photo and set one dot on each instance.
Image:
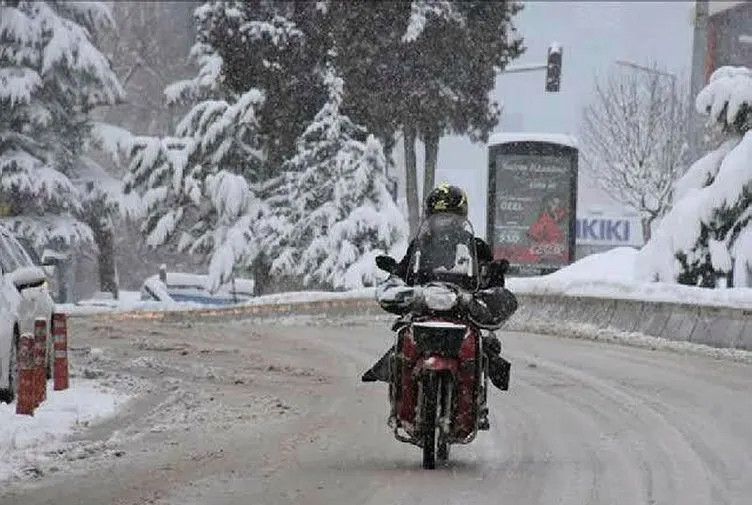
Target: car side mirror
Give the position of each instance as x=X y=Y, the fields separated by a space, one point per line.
x=51 y=258
x=386 y=263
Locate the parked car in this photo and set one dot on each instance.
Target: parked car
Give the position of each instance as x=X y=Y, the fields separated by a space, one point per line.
x=191 y=288
x=24 y=297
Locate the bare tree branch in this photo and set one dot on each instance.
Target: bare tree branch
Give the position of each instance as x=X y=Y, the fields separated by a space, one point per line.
x=634 y=139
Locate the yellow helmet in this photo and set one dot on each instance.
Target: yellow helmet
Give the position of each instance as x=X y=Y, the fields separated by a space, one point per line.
x=446 y=198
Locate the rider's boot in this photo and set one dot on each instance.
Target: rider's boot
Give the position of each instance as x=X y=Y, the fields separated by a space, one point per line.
x=498 y=367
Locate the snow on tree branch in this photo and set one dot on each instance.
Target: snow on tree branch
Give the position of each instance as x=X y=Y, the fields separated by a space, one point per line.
x=421 y=10
x=194 y=186
x=207 y=81
x=707 y=234
x=727 y=98
x=51 y=76
x=342 y=207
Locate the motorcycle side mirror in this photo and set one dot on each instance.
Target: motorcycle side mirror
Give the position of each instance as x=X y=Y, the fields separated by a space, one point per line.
x=386 y=263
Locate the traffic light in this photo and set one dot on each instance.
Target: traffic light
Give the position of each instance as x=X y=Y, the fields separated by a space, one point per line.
x=553 y=68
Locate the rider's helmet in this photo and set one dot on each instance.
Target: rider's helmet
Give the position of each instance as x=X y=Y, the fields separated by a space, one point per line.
x=446 y=198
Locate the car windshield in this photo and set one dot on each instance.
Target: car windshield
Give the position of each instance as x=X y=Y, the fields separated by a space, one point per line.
x=444 y=251
x=29 y=250
x=12 y=256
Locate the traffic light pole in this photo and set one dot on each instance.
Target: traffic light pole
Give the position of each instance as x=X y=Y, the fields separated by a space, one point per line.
x=552 y=68
x=517 y=69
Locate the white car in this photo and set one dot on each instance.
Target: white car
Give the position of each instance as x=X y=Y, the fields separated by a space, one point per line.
x=24 y=296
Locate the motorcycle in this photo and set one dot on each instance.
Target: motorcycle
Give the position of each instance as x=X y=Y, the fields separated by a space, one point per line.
x=438 y=370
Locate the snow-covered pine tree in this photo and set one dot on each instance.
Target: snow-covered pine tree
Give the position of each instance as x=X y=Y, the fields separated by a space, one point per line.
x=195 y=186
x=212 y=189
x=203 y=187
x=707 y=235
x=51 y=76
x=343 y=210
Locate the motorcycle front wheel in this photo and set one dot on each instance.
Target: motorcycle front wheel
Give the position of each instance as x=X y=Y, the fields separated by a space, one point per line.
x=429 y=410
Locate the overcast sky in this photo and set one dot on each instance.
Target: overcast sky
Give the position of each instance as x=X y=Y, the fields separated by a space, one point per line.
x=593 y=35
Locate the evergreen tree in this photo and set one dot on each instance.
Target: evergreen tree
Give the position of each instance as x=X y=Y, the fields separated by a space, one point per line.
x=428 y=68
x=479 y=40
x=196 y=186
x=343 y=213
x=273 y=46
x=51 y=76
x=218 y=188
x=707 y=235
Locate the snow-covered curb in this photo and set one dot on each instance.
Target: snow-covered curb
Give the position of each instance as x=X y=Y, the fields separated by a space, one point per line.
x=25 y=441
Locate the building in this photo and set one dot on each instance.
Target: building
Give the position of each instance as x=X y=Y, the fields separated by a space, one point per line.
x=722 y=36
x=729 y=35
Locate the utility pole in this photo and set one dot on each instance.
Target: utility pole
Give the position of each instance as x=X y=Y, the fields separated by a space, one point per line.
x=697 y=82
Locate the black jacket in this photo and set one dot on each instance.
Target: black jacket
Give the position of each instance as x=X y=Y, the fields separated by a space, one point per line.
x=494 y=271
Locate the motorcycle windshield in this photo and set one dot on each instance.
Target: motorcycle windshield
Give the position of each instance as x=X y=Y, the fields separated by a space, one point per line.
x=444 y=252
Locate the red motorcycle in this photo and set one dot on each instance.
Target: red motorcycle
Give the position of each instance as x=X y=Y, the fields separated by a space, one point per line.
x=438 y=369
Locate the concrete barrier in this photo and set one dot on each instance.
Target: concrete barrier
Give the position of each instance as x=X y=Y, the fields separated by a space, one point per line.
x=626 y=315
x=654 y=319
x=713 y=326
x=745 y=339
x=717 y=327
x=599 y=313
x=681 y=323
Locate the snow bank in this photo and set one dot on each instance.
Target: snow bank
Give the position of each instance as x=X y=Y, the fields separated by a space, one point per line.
x=613 y=274
x=25 y=440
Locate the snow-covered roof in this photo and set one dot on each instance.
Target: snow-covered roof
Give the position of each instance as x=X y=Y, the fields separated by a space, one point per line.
x=555 y=138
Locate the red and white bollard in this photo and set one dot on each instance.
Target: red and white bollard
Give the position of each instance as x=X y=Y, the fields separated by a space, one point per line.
x=26 y=390
x=40 y=359
x=60 y=339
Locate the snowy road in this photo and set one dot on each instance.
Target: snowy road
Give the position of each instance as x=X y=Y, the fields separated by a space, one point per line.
x=237 y=412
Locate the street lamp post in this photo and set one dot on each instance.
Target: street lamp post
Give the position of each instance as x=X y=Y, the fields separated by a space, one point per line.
x=647 y=69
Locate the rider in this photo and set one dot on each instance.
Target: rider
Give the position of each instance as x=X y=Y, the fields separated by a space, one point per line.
x=452 y=199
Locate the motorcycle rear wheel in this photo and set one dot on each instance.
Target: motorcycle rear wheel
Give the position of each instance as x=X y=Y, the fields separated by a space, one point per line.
x=429 y=410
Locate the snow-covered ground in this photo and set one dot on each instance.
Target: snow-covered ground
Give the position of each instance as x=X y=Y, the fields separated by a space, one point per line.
x=26 y=440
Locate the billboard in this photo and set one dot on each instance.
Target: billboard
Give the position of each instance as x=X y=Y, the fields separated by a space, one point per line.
x=532 y=204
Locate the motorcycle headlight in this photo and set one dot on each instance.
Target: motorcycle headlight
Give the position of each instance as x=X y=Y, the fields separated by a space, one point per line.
x=439 y=298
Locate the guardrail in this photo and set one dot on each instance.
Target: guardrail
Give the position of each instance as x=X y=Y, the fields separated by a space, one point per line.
x=712 y=326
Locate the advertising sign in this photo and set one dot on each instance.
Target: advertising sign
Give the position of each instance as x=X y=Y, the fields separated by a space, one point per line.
x=532 y=202
x=609 y=230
